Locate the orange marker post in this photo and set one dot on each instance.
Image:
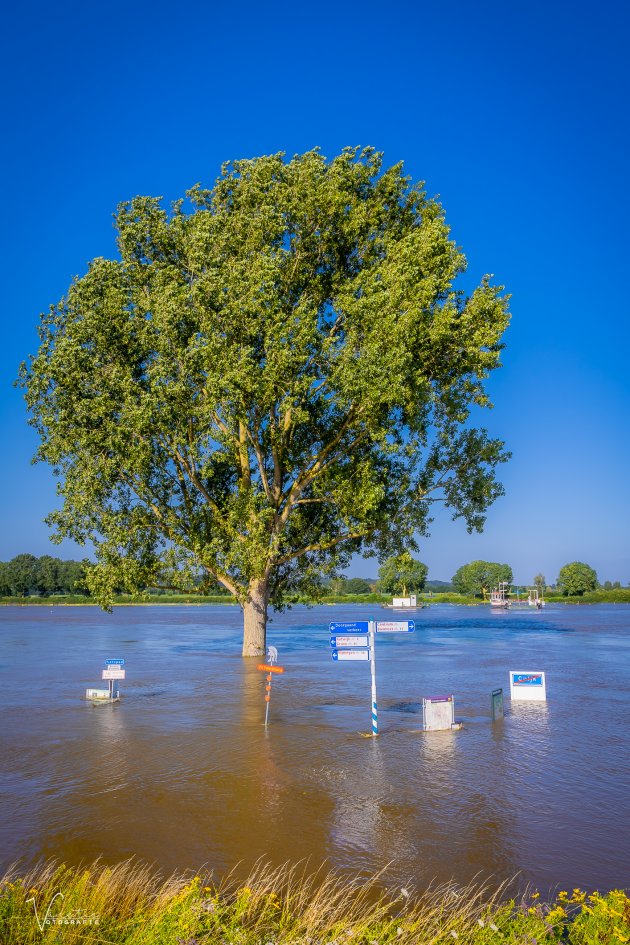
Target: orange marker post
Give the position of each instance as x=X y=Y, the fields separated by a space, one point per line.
x=269 y=668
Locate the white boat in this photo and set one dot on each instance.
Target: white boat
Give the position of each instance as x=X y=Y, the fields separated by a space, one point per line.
x=498 y=597
x=405 y=603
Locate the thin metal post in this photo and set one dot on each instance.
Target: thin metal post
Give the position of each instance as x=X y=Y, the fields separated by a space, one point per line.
x=268 y=699
x=372 y=642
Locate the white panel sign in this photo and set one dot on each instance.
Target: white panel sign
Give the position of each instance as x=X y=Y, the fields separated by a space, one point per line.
x=395 y=626
x=349 y=641
x=97 y=693
x=342 y=655
x=527 y=686
x=438 y=713
x=113 y=673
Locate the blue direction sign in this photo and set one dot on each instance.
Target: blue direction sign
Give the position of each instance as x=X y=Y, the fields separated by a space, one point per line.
x=351 y=626
x=114 y=662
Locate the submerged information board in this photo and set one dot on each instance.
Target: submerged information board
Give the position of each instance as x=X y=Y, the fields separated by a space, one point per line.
x=527 y=686
x=438 y=713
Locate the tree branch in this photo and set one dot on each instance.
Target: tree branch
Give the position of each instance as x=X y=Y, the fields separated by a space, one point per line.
x=323 y=546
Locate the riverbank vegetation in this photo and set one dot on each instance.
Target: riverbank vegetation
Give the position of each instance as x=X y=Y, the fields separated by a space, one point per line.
x=131 y=904
x=47 y=581
x=601 y=596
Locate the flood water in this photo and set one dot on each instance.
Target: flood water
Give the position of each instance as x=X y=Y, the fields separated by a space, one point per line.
x=182 y=772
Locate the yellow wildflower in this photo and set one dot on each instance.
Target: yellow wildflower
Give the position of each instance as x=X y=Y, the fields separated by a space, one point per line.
x=557 y=913
x=619 y=935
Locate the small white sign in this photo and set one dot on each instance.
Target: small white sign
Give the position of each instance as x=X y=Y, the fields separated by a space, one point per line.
x=349 y=641
x=113 y=673
x=351 y=655
x=395 y=626
x=527 y=686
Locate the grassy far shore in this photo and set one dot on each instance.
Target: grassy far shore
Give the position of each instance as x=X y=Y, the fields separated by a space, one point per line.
x=130 y=904
x=613 y=596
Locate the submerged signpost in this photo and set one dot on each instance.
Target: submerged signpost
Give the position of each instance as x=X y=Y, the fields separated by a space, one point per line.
x=355 y=640
x=269 y=668
x=113 y=670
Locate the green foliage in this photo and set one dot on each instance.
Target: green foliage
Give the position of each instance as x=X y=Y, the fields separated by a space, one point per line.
x=400 y=573
x=26 y=575
x=275 y=374
x=479 y=577
x=540 y=582
x=616 y=595
x=576 y=579
x=355 y=585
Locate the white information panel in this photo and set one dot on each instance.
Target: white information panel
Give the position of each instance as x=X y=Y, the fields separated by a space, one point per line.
x=527 y=686
x=97 y=693
x=355 y=655
x=114 y=672
x=438 y=713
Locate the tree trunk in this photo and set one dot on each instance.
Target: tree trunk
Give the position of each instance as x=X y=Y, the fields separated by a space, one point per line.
x=255 y=619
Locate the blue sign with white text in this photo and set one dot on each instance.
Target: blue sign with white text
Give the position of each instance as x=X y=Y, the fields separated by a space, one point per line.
x=351 y=626
x=530 y=679
x=114 y=662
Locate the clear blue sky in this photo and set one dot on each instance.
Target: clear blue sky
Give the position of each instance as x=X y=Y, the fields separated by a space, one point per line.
x=515 y=113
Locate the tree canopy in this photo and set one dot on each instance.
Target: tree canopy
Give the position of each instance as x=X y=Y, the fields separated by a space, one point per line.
x=274 y=374
x=479 y=577
x=26 y=574
x=402 y=573
x=577 y=578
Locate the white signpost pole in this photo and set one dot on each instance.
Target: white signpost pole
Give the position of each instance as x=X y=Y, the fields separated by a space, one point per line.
x=372 y=638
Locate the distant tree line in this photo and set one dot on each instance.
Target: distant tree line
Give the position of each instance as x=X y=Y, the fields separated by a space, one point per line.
x=25 y=575
x=575 y=579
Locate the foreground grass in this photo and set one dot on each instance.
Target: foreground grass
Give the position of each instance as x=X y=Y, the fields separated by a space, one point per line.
x=134 y=905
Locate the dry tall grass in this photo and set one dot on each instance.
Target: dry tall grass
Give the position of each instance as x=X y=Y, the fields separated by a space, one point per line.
x=132 y=904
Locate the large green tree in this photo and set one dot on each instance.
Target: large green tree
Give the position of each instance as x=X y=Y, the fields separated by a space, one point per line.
x=273 y=375
x=576 y=579
x=402 y=573
x=479 y=577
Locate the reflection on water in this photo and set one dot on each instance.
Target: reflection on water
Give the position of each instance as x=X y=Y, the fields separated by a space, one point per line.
x=183 y=773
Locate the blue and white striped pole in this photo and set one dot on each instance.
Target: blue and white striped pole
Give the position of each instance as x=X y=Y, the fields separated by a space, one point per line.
x=372 y=641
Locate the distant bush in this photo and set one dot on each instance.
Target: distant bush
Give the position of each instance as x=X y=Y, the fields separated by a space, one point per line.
x=616 y=595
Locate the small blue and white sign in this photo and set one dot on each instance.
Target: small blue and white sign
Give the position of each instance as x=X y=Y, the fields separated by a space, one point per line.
x=527 y=686
x=353 y=655
x=395 y=626
x=349 y=640
x=350 y=626
x=527 y=679
x=114 y=662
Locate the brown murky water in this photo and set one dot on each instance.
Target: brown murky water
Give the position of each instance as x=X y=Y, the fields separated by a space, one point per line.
x=182 y=772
